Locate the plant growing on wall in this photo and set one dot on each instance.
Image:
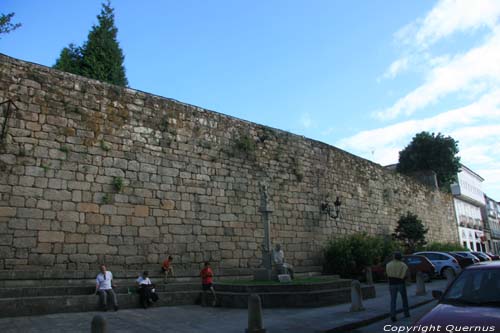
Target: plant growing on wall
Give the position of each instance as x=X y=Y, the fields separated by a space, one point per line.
x=244 y=144
x=411 y=232
x=106 y=198
x=118 y=183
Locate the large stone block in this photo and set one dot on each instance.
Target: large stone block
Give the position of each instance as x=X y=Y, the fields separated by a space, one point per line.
x=86 y=207
x=141 y=211
x=94 y=218
x=149 y=232
x=51 y=236
x=181 y=229
x=8 y=211
x=96 y=239
x=102 y=249
x=41 y=259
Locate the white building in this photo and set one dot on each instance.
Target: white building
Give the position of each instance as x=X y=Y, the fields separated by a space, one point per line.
x=469 y=200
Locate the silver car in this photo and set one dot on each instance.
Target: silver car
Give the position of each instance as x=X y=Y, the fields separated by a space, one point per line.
x=442 y=261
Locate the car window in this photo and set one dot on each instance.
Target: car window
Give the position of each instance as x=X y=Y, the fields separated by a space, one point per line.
x=429 y=256
x=413 y=260
x=441 y=256
x=476 y=286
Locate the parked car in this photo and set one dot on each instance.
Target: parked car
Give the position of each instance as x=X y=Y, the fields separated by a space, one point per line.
x=473 y=299
x=415 y=264
x=493 y=256
x=442 y=261
x=468 y=254
x=481 y=256
x=462 y=261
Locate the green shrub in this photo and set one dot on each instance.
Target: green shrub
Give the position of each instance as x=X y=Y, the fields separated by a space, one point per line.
x=350 y=255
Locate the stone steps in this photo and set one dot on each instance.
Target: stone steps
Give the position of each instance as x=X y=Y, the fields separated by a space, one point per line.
x=26 y=293
x=28 y=306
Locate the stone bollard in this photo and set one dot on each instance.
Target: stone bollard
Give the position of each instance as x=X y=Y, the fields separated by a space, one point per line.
x=420 y=282
x=369 y=275
x=356 y=297
x=449 y=274
x=254 y=315
x=98 y=325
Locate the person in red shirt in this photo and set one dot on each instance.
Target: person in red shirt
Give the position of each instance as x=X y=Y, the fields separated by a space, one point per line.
x=207 y=283
x=167 y=268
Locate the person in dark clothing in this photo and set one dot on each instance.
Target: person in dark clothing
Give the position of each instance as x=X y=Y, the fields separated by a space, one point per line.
x=146 y=290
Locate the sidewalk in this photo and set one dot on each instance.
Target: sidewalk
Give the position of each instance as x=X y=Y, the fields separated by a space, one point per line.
x=188 y=319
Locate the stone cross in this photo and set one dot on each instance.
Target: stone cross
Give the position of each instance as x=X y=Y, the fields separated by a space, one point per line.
x=266 y=220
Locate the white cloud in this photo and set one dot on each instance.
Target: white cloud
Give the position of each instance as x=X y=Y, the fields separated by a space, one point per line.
x=476 y=127
x=306 y=121
x=449 y=17
x=396 y=68
x=460 y=74
x=470 y=77
x=485 y=109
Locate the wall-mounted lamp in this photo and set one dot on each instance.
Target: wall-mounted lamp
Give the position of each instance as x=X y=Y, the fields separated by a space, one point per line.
x=328 y=209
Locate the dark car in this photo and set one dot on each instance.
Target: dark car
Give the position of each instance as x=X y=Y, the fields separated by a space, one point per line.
x=492 y=256
x=468 y=254
x=481 y=256
x=415 y=263
x=472 y=299
x=462 y=261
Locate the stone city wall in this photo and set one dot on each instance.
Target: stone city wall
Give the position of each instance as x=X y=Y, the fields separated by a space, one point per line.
x=91 y=172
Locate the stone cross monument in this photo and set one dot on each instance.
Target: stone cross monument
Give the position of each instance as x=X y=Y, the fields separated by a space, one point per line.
x=265 y=271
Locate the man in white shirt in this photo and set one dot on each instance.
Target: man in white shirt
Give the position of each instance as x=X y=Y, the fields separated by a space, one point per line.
x=104 y=288
x=279 y=260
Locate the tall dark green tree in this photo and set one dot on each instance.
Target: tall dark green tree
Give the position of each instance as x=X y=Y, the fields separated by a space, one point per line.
x=6 y=25
x=70 y=60
x=100 y=57
x=411 y=232
x=428 y=151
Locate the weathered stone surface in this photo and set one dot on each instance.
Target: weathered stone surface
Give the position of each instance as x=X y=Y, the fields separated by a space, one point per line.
x=51 y=236
x=8 y=211
x=132 y=178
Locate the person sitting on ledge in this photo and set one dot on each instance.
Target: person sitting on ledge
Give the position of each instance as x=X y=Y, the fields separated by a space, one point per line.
x=279 y=260
x=167 y=268
x=147 y=293
x=104 y=288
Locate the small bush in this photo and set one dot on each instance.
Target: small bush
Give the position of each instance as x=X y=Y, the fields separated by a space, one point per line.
x=245 y=144
x=350 y=255
x=118 y=183
x=106 y=198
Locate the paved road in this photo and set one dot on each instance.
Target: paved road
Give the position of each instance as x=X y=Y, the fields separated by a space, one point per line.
x=386 y=325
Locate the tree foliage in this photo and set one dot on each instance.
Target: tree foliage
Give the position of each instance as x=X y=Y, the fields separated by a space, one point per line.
x=411 y=232
x=444 y=247
x=70 y=60
x=6 y=25
x=428 y=151
x=348 y=256
x=100 y=57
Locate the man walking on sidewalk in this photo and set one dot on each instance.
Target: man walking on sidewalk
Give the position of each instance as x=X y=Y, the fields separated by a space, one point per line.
x=397 y=272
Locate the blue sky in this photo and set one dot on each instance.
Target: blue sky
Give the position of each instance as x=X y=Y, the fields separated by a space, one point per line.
x=365 y=76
